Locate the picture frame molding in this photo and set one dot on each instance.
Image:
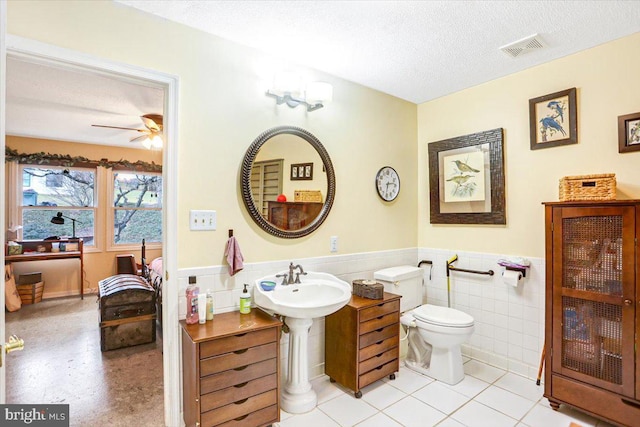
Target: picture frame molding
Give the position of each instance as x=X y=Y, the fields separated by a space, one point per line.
x=301 y=172
x=572 y=116
x=623 y=142
x=497 y=214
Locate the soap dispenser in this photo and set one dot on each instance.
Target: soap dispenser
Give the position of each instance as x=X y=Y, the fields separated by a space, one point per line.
x=245 y=301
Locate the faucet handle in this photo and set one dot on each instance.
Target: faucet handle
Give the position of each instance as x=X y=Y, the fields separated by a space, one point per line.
x=284 y=278
x=298 y=276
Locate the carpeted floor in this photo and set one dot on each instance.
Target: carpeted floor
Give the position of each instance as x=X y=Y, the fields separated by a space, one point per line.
x=62 y=363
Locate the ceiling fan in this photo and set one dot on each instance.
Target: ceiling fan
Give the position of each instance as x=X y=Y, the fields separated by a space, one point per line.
x=152 y=134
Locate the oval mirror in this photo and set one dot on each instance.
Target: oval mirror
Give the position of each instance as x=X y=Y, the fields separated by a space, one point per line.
x=288 y=161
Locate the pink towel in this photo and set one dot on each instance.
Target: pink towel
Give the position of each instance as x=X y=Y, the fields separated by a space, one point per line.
x=234 y=255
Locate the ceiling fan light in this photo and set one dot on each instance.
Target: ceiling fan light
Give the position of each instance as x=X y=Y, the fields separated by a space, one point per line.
x=152 y=142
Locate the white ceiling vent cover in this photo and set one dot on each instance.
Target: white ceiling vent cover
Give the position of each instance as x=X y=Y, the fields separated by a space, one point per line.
x=525 y=45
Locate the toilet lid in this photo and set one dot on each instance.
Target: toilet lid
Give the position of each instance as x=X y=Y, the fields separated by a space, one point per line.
x=442 y=316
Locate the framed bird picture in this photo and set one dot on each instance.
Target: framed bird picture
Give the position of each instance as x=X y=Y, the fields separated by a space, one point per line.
x=466 y=179
x=553 y=119
x=629 y=133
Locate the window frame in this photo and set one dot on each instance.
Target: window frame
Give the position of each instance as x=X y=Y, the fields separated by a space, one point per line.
x=20 y=208
x=111 y=246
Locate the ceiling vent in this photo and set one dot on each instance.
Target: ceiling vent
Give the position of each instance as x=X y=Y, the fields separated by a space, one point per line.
x=525 y=45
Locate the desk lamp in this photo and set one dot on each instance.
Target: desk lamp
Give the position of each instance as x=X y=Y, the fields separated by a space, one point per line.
x=59 y=219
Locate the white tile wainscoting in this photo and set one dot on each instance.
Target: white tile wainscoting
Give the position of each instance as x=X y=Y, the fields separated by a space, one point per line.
x=509 y=321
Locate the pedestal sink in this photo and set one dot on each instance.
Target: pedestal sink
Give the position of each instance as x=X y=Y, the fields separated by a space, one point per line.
x=318 y=295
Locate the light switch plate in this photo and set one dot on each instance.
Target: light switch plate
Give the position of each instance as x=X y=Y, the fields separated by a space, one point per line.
x=333 y=243
x=200 y=220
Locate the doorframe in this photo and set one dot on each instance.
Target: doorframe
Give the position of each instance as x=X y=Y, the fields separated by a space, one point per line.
x=39 y=52
x=3 y=87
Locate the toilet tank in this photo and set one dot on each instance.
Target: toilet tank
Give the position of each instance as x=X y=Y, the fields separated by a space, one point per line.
x=403 y=280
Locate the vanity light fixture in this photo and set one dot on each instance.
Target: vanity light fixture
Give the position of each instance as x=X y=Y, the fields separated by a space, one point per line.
x=286 y=90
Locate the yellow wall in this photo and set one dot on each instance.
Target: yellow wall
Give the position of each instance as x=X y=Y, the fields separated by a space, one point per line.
x=606 y=78
x=222 y=109
x=61 y=277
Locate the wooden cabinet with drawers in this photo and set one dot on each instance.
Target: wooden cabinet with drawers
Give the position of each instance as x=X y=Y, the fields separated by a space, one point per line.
x=362 y=341
x=231 y=374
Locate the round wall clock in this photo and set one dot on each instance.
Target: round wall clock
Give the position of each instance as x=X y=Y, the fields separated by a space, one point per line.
x=387 y=183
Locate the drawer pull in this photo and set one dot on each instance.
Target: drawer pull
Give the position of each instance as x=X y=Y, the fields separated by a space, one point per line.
x=379 y=342
x=380 y=355
x=380 y=305
x=241 y=368
x=241 y=385
x=240 y=402
x=379 y=367
x=241 y=417
x=240 y=335
x=379 y=317
x=630 y=402
x=379 y=330
x=244 y=350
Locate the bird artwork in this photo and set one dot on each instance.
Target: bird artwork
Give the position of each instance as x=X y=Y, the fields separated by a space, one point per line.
x=464 y=177
x=462 y=188
x=558 y=107
x=463 y=167
x=550 y=125
x=634 y=134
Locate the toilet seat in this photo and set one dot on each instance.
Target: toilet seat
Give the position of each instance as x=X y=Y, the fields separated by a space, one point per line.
x=442 y=316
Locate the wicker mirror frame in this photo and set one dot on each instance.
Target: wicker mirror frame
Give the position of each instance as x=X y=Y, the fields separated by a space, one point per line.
x=245 y=182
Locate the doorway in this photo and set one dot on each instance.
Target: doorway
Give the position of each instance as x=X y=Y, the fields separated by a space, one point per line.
x=29 y=50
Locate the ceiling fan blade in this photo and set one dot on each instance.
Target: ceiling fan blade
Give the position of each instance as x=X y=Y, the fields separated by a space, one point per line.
x=138 y=138
x=151 y=124
x=118 y=127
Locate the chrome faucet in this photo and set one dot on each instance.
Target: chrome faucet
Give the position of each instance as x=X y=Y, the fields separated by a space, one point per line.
x=291 y=271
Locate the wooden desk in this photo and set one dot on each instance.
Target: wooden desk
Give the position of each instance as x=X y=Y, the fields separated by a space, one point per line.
x=47 y=255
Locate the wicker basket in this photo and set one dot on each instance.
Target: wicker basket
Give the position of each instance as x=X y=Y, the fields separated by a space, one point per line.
x=588 y=187
x=307 y=196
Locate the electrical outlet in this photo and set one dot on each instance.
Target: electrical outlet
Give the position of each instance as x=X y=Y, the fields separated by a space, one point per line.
x=202 y=220
x=333 y=243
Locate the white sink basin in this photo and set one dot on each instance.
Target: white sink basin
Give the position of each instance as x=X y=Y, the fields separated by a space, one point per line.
x=318 y=295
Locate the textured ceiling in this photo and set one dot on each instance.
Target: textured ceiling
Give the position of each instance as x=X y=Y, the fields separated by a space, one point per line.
x=44 y=101
x=414 y=50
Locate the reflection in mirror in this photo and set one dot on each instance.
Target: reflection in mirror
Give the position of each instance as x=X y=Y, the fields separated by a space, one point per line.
x=287 y=182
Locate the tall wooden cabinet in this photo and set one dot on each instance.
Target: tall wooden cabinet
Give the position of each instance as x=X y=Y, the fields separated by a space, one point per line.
x=231 y=375
x=593 y=308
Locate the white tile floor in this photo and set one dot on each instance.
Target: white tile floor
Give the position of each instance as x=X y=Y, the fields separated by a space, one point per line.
x=487 y=397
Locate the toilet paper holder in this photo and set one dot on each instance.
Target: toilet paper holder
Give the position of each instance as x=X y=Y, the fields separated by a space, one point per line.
x=521 y=270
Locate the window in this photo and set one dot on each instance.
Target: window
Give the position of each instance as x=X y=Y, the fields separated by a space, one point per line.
x=137 y=208
x=54 y=181
x=49 y=191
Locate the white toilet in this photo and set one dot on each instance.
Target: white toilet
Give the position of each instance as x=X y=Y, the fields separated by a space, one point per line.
x=439 y=329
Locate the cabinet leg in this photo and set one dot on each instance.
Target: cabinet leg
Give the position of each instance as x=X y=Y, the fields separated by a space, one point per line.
x=358 y=394
x=331 y=380
x=554 y=405
x=392 y=376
